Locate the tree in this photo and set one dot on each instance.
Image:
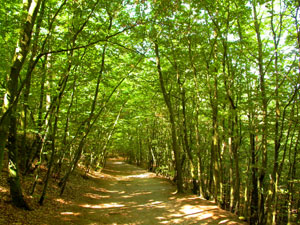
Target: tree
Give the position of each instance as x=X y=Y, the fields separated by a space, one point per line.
x=9 y=118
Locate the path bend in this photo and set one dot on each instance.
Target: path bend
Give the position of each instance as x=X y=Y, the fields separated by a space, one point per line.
x=126 y=194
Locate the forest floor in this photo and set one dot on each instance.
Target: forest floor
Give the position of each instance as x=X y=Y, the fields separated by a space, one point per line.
x=120 y=194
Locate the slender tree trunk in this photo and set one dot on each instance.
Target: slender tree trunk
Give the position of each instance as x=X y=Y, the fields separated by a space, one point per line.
x=65 y=141
x=3 y=132
x=186 y=145
x=264 y=108
x=87 y=124
x=104 y=151
x=53 y=139
x=217 y=193
x=247 y=199
x=253 y=162
x=254 y=191
x=175 y=146
x=73 y=164
x=31 y=64
x=202 y=187
x=291 y=178
x=271 y=202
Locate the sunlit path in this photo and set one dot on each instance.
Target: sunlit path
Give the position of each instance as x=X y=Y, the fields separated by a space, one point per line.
x=125 y=194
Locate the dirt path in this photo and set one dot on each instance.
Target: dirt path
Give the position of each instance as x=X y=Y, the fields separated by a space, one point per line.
x=125 y=194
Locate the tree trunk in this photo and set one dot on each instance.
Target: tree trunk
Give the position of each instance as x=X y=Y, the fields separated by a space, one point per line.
x=264 y=108
x=291 y=178
x=27 y=151
x=11 y=116
x=20 y=55
x=254 y=191
x=253 y=161
x=87 y=124
x=175 y=146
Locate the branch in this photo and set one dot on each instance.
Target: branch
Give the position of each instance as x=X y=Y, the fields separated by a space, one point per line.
x=125 y=47
x=87 y=45
x=54 y=52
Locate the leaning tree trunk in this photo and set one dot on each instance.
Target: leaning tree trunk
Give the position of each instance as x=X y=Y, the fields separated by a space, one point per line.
x=87 y=124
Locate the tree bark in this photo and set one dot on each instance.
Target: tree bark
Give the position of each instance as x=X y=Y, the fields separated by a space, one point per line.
x=175 y=147
x=264 y=108
x=11 y=117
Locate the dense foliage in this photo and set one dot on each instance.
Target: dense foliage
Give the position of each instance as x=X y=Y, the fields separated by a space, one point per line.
x=204 y=92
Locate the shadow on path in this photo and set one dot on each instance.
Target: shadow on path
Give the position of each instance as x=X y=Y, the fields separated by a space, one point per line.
x=125 y=194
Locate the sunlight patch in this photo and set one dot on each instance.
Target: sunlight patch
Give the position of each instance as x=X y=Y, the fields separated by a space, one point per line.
x=177 y=221
x=103 y=206
x=70 y=213
x=118 y=163
x=143 y=175
x=127 y=196
x=205 y=216
x=141 y=193
x=105 y=190
x=4 y=190
x=156 y=202
x=160 y=218
x=176 y=215
x=62 y=201
x=223 y=221
x=96 y=196
x=189 y=209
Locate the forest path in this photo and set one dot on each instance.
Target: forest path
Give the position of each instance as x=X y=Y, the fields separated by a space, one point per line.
x=126 y=194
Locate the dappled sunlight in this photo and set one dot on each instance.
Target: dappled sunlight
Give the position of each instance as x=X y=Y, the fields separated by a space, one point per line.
x=69 y=216
x=97 y=175
x=141 y=193
x=164 y=222
x=193 y=208
x=103 y=206
x=155 y=204
x=160 y=218
x=143 y=175
x=223 y=221
x=126 y=196
x=189 y=209
x=118 y=163
x=136 y=196
x=132 y=197
x=122 y=178
x=177 y=221
x=104 y=190
x=96 y=196
x=70 y=213
x=63 y=201
x=188 y=213
x=205 y=216
x=176 y=215
x=112 y=171
x=3 y=190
